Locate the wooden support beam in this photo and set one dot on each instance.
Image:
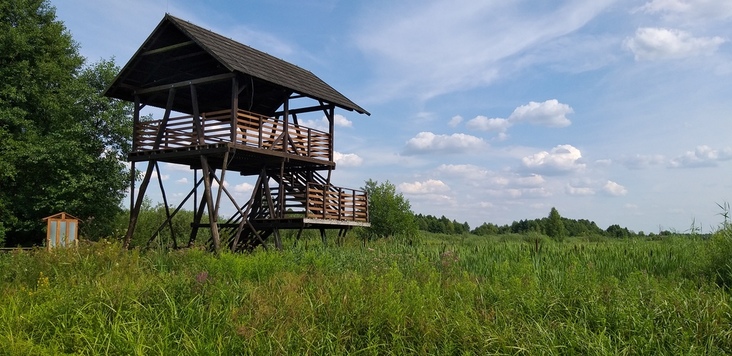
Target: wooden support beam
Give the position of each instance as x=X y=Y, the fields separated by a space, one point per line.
x=234 y=107
x=135 y=212
x=177 y=209
x=204 y=80
x=224 y=165
x=169 y=219
x=196 y=116
x=213 y=219
x=197 y=219
x=305 y=109
x=167 y=48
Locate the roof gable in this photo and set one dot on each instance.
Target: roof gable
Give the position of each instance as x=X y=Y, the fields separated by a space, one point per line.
x=178 y=51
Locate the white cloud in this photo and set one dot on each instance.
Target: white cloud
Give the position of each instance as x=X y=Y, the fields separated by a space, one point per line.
x=215 y=184
x=550 y=113
x=486 y=205
x=641 y=161
x=533 y=180
x=483 y=123
x=341 y=121
x=347 y=159
x=429 y=186
x=685 y=10
x=243 y=187
x=177 y=167
x=561 y=159
x=426 y=142
x=579 y=191
x=455 y=120
x=702 y=156
x=323 y=124
x=183 y=180
x=614 y=189
x=661 y=43
x=467 y=171
x=164 y=177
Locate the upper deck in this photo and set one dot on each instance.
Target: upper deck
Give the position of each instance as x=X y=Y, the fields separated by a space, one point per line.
x=256 y=137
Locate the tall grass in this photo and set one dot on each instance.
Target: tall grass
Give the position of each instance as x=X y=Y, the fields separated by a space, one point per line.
x=430 y=296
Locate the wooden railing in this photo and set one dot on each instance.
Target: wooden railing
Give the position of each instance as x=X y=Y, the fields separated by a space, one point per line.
x=252 y=130
x=330 y=202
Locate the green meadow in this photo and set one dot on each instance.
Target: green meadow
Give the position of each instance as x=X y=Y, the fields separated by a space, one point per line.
x=436 y=294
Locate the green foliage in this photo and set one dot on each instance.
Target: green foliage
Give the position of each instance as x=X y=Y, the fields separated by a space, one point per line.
x=719 y=251
x=62 y=141
x=149 y=221
x=471 y=295
x=554 y=225
x=390 y=213
x=441 y=225
x=618 y=232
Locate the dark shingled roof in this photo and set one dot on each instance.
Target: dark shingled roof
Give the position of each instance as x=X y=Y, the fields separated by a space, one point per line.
x=212 y=54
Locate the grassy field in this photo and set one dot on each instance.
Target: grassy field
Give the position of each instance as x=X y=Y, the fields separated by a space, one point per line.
x=437 y=295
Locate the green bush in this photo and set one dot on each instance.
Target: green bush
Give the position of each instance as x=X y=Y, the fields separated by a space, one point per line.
x=720 y=256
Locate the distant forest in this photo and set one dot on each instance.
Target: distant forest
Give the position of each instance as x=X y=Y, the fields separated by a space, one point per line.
x=572 y=227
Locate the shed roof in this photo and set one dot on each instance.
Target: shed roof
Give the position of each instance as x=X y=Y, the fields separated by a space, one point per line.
x=61 y=215
x=178 y=51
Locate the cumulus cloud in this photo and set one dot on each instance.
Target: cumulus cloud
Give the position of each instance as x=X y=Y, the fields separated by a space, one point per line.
x=561 y=159
x=323 y=124
x=483 y=123
x=243 y=188
x=183 y=180
x=154 y=175
x=455 y=120
x=549 y=113
x=533 y=180
x=429 y=186
x=579 y=191
x=614 y=189
x=660 y=43
x=347 y=159
x=426 y=142
x=702 y=156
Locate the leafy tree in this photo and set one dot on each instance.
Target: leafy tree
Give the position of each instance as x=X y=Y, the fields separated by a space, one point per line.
x=389 y=211
x=616 y=231
x=554 y=225
x=486 y=229
x=61 y=140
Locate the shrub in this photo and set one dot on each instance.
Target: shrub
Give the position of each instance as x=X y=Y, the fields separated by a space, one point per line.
x=720 y=256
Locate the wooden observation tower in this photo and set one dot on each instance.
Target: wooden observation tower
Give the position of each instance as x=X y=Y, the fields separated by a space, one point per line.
x=239 y=112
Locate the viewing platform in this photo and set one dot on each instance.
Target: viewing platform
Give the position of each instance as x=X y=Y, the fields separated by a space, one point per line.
x=215 y=132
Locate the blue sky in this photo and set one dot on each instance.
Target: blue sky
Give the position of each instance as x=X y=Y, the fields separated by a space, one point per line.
x=615 y=111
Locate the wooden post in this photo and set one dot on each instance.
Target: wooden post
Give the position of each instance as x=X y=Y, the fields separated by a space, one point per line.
x=234 y=107
x=169 y=218
x=331 y=141
x=196 y=116
x=135 y=212
x=213 y=219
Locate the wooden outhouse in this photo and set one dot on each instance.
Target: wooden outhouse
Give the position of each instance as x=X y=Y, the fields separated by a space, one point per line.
x=62 y=230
